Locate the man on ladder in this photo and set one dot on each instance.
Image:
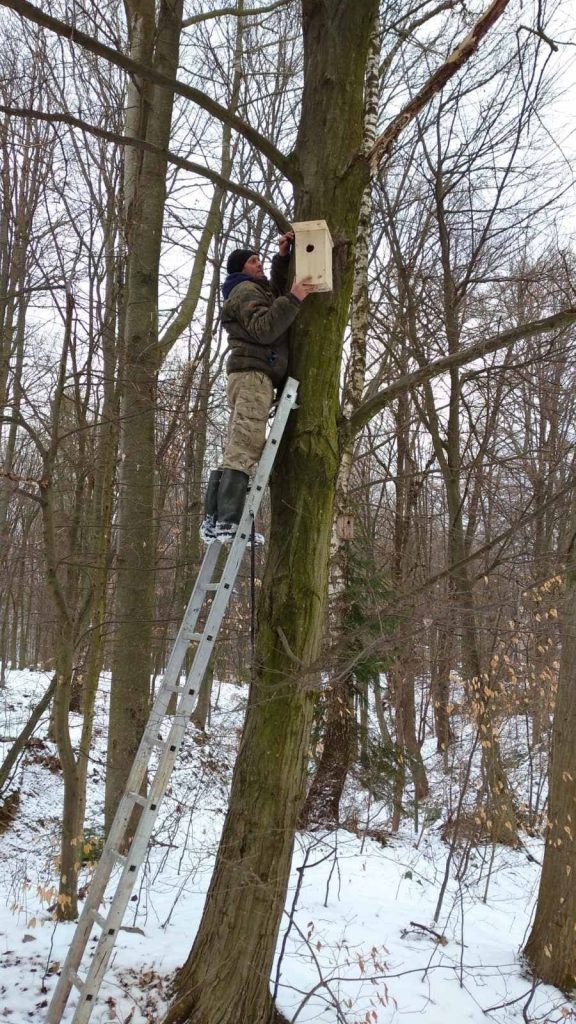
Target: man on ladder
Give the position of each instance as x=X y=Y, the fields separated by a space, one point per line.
x=257 y=315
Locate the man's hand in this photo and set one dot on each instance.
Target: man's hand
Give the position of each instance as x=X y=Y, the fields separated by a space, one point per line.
x=285 y=242
x=300 y=289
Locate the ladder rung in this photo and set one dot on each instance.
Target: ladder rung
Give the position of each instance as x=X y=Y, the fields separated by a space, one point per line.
x=190 y=637
x=212 y=586
x=119 y=856
x=76 y=980
x=98 y=919
x=137 y=798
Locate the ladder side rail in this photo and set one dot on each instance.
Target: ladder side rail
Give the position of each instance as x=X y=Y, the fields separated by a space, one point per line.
x=193 y=609
x=115 y=915
x=158 y=712
x=285 y=405
x=108 y=858
x=134 y=858
x=139 y=843
x=150 y=736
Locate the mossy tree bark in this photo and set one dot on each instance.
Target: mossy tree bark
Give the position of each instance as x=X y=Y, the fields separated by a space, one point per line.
x=322 y=806
x=226 y=977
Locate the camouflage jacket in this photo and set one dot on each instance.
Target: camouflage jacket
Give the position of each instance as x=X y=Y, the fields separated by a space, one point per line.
x=257 y=316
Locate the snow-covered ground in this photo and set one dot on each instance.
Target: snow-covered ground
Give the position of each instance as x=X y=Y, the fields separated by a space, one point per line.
x=359 y=944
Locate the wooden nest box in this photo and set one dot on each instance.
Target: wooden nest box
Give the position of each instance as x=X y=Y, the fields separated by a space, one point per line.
x=314 y=253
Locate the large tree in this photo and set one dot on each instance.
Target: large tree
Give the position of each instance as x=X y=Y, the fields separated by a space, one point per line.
x=226 y=976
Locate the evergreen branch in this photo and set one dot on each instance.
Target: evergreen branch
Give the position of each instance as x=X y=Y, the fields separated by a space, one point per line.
x=133 y=67
x=383 y=146
x=126 y=140
x=234 y=12
x=365 y=412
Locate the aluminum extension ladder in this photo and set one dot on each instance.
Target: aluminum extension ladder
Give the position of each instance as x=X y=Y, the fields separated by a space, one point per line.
x=115 y=854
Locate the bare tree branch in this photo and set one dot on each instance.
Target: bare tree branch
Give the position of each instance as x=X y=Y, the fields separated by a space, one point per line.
x=527 y=515
x=233 y=12
x=19 y=293
x=383 y=145
x=18 y=489
x=18 y=747
x=126 y=140
x=74 y=35
x=365 y=412
x=21 y=421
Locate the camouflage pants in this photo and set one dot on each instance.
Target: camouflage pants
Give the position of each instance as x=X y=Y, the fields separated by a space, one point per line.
x=250 y=397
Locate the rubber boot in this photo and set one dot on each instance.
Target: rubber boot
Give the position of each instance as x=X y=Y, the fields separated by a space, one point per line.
x=208 y=526
x=231 y=498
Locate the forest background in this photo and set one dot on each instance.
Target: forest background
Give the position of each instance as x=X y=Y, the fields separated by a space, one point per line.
x=421 y=522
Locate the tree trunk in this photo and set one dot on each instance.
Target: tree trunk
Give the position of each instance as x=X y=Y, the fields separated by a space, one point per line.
x=74 y=792
x=440 y=685
x=201 y=714
x=105 y=457
x=225 y=979
x=402 y=689
x=551 y=947
x=65 y=593
x=385 y=736
x=322 y=805
x=149 y=115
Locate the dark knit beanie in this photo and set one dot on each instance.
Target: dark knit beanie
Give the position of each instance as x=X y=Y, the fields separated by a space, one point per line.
x=237 y=259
